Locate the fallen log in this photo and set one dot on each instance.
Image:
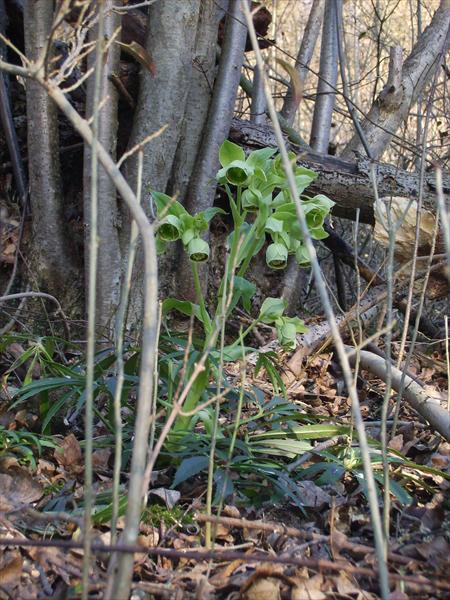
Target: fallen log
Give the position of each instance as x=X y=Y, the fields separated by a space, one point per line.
x=347 y=183
x=428 y=406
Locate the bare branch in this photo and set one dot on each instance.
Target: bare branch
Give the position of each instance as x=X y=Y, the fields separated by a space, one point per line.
x=393 y=104
x=304 y=56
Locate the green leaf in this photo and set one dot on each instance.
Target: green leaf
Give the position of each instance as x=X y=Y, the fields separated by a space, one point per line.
x=232 y=353
x=266 y=360
x=273 y=225
x=323 y=201
x=322 y=430
x=230 y=152
x=396 y=489
x=187 y=236
x=190 y=467
x=183 y=306
x=286 y=333
x=251 y=199
x=259 y=158
x=209 y=213
x=168 y=205
x=245 y=290
x=318 y=233
x=281 y=447
x=271 y=310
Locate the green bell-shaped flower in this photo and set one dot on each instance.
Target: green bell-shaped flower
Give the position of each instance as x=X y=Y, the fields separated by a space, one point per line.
x=302 y=256
x=198 y=250
x=170 y=229
x=277 y=256
x=237 y=173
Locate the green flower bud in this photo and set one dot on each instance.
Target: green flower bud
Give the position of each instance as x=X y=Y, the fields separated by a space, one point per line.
x=251 y=199
x=187 y=236
x=287 y=335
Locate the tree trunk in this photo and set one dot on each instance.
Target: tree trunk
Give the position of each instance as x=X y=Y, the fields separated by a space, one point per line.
x=53 y=263
x=304 y=56
x=202 y=186
x=162 y=99
x=326 y=88
x=109 y=263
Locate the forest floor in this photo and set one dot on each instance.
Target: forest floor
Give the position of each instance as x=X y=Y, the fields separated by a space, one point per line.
x=293 y=520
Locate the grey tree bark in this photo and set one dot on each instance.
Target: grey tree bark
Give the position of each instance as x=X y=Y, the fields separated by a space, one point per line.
x=294 y=278
x=172 y=27
x=198 y=99
x=52 y=262
x=258 y=107
x=326 y=95
x=394 y=102
x=304 y=56
x=109 y=256
x=202 y=186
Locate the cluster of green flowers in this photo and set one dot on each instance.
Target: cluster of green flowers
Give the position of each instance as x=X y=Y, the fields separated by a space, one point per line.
x=265 y=192
x=262 y=188
x=255 y=186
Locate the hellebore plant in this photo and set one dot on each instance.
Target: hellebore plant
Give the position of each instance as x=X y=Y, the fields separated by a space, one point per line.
x=256 y=186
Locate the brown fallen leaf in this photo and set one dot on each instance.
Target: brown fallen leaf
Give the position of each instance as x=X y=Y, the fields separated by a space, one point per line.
x=100 y=458
x=396 y=443
x=312 y=495
x=69 y=453
x=11 y=564
x=17 y=488
x=309 y=589
x=264 y=589
x=345 y=585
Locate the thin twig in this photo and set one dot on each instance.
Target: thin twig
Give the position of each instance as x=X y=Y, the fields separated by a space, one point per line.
x=321 y=288
x=222 y=556
x=40 y=295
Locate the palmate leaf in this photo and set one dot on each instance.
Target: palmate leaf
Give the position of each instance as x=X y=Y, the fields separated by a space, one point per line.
x=310 y=432
x=287 y=447
x=41 y=385
x=243 y=290
x=266 y=360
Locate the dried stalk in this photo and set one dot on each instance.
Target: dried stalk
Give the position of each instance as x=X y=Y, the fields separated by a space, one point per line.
x=145 y=391
x=91 y=309
x=322 y=291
